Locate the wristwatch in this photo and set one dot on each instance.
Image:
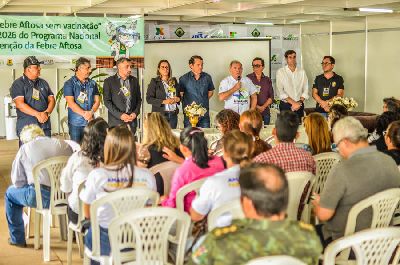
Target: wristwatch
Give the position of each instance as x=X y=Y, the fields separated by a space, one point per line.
x=47 y=113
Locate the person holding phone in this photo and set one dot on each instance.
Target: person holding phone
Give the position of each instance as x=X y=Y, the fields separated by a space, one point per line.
x=238 y=92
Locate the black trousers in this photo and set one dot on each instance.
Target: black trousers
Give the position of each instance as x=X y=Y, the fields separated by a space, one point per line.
x=286 y=106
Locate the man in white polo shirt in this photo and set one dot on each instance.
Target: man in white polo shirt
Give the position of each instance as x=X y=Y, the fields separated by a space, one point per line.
x=292 y=85
x=238 y=92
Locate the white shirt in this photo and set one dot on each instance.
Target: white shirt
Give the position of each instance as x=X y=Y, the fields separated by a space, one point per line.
x=217 y=190
x=100 y=178
x=75 y=172
x=240 y=100
x=291 y=84
x=33 y=152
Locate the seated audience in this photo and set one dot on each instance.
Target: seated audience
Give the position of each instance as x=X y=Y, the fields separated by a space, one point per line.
x=265 y=230
x=22 y=192
x=251 y=123
x=82 y=162
x=285 y=154
x=336 y=112
x=317 y=130
x=391 y=104
x=157 y=135
x=377 y=138
x=117 y=172
x=363 y=172
x=223 y=187
x=226 y=120
x=197 y=165
x=392 y=139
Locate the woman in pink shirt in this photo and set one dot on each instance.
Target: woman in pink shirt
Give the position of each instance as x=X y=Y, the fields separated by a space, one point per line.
x=197 y=165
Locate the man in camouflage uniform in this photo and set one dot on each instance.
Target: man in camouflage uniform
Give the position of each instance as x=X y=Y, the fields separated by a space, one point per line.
x=265 y=231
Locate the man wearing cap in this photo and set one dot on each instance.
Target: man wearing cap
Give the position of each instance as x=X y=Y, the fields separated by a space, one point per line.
x=122 y=96
x=33 y=97
x=82 y=96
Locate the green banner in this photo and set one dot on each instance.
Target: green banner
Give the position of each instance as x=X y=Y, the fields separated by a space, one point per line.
x=73 y=36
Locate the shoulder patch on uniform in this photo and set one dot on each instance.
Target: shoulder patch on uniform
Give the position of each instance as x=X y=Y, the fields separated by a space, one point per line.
x=225 y=230
x=306 y=226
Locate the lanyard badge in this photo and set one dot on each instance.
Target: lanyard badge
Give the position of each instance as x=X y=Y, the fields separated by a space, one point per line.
x=35 y=94
x=82 y=97
x=125 y=91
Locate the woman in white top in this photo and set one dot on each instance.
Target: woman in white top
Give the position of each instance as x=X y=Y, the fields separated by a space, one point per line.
x=224 y=187
x=82 y=162
x=117 y=172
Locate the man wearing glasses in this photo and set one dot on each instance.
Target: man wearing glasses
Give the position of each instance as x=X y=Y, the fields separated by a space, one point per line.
x=265 y=93
x=33 y=98
x=327 y=85
x=292 y=85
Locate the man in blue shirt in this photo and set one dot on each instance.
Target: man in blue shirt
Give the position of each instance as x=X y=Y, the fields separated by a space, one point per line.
x=197 y=86
x=33 y=98
x=83 y=99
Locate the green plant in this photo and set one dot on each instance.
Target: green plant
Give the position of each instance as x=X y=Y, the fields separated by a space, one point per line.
x=95 y=77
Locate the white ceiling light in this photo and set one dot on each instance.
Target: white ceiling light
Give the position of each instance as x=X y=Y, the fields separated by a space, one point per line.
x=259 y=23
x=375 y=10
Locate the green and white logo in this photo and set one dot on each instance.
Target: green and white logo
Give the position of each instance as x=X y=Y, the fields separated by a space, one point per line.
x=179 y=32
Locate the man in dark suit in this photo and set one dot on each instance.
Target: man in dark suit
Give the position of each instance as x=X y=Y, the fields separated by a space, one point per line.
x=122 y=96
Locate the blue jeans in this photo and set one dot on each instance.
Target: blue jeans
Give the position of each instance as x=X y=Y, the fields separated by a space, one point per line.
x=267 y=119
x=105 y=247
x=76 y=132
x=172 y=118
x=15 y=200
x=204 y=122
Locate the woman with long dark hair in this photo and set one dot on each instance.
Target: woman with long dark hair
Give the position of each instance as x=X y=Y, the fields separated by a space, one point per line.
x=197 y=165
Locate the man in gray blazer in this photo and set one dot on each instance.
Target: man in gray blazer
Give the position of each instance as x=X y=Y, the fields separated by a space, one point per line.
x=122 y=96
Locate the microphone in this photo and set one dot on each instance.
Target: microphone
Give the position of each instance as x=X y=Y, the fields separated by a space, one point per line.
x=239 y=77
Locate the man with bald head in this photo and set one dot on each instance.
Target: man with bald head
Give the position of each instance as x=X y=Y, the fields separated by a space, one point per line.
x=265 y=230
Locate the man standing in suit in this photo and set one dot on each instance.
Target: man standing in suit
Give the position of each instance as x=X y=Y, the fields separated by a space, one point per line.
x=122 y=96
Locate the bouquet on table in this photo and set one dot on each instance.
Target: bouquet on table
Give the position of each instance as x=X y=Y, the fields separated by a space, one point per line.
x=194 y=112
x=348 y=103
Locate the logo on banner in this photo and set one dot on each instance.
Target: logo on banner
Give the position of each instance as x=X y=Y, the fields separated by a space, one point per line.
x=255 y=33
x=199 y=35
x=290 y=37
x=232 y=34
x=10 y=62
x=179 y=32
x=122 y=38
x=159 y=33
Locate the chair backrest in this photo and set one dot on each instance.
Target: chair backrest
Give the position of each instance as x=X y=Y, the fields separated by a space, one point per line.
x=182 y=192
x=276 y=260
x=64 y=126
x=148 y=229
x=383 y=205
x=297 y=186
x=233 y=208
x=166 y=170
x=121 y=201
x=53 y=167
x=212 y=137
x=324 y=163
x=213 y=114
x=373 y=246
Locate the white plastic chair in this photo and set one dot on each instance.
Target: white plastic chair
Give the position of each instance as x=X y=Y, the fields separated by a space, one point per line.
x=297 y=183
x=233 y=208
x=76 y=228
x=374 y=246
x=183 y=191
x=64 y=127
x=58 y=201
x=166 y=170
x=276 y=260
x=212 y=137
x=324 y=163
x=213 y=114
x=383 y=205
x=148 y=230
x=122 y=202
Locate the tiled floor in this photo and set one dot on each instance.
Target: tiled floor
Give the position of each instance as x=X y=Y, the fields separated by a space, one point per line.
x=18 y=256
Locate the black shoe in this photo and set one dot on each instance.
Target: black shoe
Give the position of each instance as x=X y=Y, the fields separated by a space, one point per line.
x=16 y=245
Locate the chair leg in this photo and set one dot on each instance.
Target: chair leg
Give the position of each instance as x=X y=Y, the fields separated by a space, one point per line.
x=79 y=241
x=86 y=260
x=46 y=235
x=69 y=246
x=28 y=225
x=63 y=227
x=36 y=241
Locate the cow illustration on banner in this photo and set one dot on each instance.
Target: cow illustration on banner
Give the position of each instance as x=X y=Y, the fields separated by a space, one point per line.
x=122 y=38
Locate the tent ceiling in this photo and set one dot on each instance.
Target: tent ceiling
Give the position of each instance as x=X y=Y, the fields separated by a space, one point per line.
x=213 y=11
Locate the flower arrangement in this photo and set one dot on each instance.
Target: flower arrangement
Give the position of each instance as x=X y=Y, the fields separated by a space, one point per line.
x=348 y=103
x=194 y=111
